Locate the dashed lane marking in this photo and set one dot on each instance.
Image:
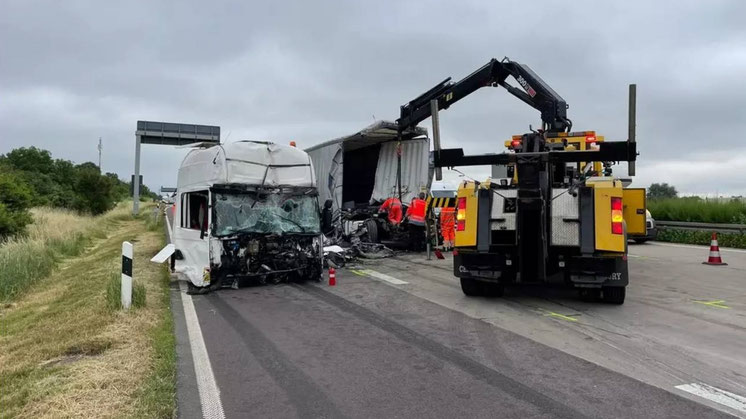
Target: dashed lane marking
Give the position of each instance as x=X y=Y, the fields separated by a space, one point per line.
x=713 y=303
x=548 y=313
x=381 y=276
x=725 y=398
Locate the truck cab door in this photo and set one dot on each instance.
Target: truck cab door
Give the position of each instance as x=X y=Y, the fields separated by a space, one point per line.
x=191 y=235
x=634 y=210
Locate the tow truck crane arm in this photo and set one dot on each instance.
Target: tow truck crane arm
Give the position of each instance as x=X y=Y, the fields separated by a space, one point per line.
x=537 y=94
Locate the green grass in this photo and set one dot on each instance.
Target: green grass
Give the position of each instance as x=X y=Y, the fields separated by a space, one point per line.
x=157 y=396
x=64 y=352
x=55 y=235
x=114 y=293
x=698 y=210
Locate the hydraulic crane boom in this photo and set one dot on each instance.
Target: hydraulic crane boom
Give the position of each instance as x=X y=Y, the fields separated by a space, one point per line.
x=536 y=93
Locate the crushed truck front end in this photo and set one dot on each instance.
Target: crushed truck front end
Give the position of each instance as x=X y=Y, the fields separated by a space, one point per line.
x=265 y=234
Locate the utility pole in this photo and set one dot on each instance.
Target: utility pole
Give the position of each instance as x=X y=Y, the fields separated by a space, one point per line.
x=100 y=148
x=632 y=124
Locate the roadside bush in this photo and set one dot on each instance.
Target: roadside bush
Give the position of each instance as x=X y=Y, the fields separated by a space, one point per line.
x=61 y=183
x=698 y=210
x=93 y=192
x=15 y=197
x=702 y=237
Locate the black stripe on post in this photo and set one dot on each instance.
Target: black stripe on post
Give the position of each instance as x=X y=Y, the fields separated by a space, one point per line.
x=126 y=266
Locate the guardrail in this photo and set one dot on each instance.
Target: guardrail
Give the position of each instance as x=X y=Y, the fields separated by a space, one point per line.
x=685 y=225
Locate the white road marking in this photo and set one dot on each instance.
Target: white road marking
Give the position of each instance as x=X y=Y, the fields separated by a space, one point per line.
x=726 y=398
x=383 y=277
x=209 y=394
x=697 y=247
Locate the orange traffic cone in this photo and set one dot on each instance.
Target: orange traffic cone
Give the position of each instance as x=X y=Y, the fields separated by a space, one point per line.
x=714 y=258
x=332 y=277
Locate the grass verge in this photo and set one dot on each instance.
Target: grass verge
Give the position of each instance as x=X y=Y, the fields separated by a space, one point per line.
x=54 y=235
x=702 y=237
x=66 y=352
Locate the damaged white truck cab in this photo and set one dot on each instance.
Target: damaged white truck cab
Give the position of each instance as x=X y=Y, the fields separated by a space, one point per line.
x=246 y=210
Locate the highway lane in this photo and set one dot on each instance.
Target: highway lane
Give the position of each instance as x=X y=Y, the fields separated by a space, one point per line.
x=371 y=348
x=683 y=322
x=367 y=349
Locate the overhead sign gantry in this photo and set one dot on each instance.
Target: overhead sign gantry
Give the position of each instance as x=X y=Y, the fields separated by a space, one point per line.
x=167 y=133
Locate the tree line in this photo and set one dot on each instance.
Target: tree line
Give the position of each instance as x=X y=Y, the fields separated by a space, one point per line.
x=30 y=177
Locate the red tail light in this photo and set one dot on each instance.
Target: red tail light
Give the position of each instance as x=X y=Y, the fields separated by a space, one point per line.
x=461 y=214
x=617 y=217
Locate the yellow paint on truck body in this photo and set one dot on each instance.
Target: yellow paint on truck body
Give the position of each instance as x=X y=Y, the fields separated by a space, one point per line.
x=572 y=142
x=603 y=190
x=468 y=237
x=634 y=210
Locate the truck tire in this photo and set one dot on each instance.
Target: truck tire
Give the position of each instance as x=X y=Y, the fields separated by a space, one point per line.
x=470 y=287
x=640 y=241
x=614 y=295
x=490 y=289
x=590 y=294
x=372 y=228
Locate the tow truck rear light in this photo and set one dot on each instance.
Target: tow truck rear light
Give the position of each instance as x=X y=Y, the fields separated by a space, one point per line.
x=590 y=140
x=617 y=218
x=461 y=214
x=515 y=144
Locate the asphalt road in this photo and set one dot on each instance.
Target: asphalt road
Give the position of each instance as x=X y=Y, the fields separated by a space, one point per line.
x=372 y=348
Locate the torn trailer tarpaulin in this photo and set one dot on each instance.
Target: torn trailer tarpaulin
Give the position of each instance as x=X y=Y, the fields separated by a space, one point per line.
x=362 y=167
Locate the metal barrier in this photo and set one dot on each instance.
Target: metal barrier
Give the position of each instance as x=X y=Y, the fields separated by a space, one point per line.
x=685 y=225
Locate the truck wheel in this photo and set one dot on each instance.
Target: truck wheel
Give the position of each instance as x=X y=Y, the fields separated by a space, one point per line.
x=372 y=228
x=614 y=295
x=640 y=241
x=490 y=289
x=470 y=287
x=590 y=294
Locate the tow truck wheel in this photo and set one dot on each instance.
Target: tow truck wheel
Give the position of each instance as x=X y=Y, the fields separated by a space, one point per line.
x=614 y=295
x=492 y=289
x=470 y=287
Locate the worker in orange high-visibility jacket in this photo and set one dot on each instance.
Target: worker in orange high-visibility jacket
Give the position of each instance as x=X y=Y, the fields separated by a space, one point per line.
x=416 y=218
x=448 y=226
x=393 y=207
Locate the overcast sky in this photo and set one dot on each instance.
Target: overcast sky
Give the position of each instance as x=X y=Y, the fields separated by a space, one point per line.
x=309 y=71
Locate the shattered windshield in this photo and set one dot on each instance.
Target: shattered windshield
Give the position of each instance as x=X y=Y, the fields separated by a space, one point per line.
x=269 y=212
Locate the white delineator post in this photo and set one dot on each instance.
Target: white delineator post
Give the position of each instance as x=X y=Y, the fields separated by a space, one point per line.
x=126 y=275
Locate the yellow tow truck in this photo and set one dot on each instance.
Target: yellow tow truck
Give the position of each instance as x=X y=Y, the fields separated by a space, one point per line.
x=559 y=217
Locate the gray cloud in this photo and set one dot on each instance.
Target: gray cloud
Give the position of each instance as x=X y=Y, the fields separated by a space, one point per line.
x=310 y=71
